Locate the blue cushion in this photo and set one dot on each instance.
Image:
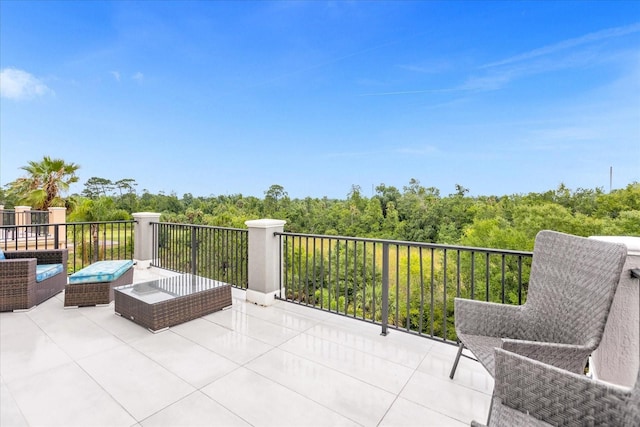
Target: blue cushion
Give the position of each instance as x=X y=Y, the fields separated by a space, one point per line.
x=101 y=271
x=44 y=271
x=2 y=255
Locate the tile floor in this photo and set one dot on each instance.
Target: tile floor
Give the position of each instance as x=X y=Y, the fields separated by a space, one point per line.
x=285 y=365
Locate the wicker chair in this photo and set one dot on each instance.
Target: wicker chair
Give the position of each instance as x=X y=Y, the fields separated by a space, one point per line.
x=531 y=393
x=571 y=287
x=18 y=287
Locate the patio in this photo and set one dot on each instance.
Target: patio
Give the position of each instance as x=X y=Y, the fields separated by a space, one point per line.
x=245 y=366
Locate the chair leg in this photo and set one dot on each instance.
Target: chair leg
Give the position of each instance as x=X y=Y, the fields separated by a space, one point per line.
x=493 y=396
x=455 y=363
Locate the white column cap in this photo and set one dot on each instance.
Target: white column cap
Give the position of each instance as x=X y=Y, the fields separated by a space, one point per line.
x=265 y=223
x=632 y=243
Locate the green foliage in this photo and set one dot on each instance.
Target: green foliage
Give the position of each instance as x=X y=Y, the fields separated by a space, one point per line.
x=100 y=209
x=423 y=282
x=332 y=274
x=415 y=213
x=45 y=184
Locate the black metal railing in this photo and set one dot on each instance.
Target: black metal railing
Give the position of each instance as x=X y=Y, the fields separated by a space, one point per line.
x=37 y=219
x=401 y=285
x=87 y=242
x=214 y=252
x=32 y=223
x=7 y=217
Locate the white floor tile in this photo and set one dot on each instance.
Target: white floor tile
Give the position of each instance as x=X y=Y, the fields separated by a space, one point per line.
x=469 y=373
x=186 y=359
x=66 y=396
x=444 y=396
x=365 y=366
x=279 y=317
x=120 y=327
x=139 y=384
x=304 y=310
x=17 y=323
x=405 y=413
x=196 y=409
x=344 y=394
x=263 y=402
x=10 y=414
x=365 y=337
x=52 y=310
x=234 y=346
x=80 y=337
x=254 y=327
x=28 y=353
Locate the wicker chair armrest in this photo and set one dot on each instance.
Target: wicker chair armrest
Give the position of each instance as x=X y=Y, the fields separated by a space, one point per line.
x=555 y=395
x=19 y=267
x=486 y=318
x=570 y=357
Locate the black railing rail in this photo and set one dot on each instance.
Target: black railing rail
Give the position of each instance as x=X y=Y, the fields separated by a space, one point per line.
x=215 y=252
x=87 y=242
x=401 y=285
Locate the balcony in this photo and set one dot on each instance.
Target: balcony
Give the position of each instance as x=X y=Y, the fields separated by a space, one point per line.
x=315 y=355
x=285 y=364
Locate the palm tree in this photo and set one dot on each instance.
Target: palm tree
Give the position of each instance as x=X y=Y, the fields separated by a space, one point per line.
x=45 y=183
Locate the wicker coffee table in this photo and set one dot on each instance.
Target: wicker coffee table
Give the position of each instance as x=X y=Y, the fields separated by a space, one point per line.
x=166 y=302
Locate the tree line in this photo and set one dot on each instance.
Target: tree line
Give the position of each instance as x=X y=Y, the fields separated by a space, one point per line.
x=413 y=213
x=343 y=275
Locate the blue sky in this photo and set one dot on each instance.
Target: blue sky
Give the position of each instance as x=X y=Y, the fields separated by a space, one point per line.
x=220 y=97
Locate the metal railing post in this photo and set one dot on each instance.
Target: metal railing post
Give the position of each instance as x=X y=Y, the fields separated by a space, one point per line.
x=194 y=251
x=95 y=235
x=385 y=288
x=56 y=237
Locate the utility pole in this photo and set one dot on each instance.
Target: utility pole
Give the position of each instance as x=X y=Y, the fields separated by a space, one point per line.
x=610 y=178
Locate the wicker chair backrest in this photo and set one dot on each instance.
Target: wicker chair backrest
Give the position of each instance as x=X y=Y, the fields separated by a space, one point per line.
x=571 y=287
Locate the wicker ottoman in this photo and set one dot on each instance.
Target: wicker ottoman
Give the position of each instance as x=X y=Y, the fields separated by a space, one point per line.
x=93 y=285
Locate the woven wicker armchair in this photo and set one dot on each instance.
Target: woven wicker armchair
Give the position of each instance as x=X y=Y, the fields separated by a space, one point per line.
x=18 y=287
x=532 y=393
x=571 y=287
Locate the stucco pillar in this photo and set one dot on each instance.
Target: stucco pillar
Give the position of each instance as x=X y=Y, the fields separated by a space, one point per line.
x=58 y=215
x=617 y=359
x=143 y=238
x=21 y=215
x=264 y=260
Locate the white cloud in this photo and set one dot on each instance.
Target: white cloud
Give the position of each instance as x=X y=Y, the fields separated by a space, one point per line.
x=353 y=154
x=566 y=54
x=567 y=133
x=567 y=44
x=408 y=92
x=418 y=151
x=493 y=81
x=19 y=85
x=433 y=67
x=116 y=75
x=138 y=76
